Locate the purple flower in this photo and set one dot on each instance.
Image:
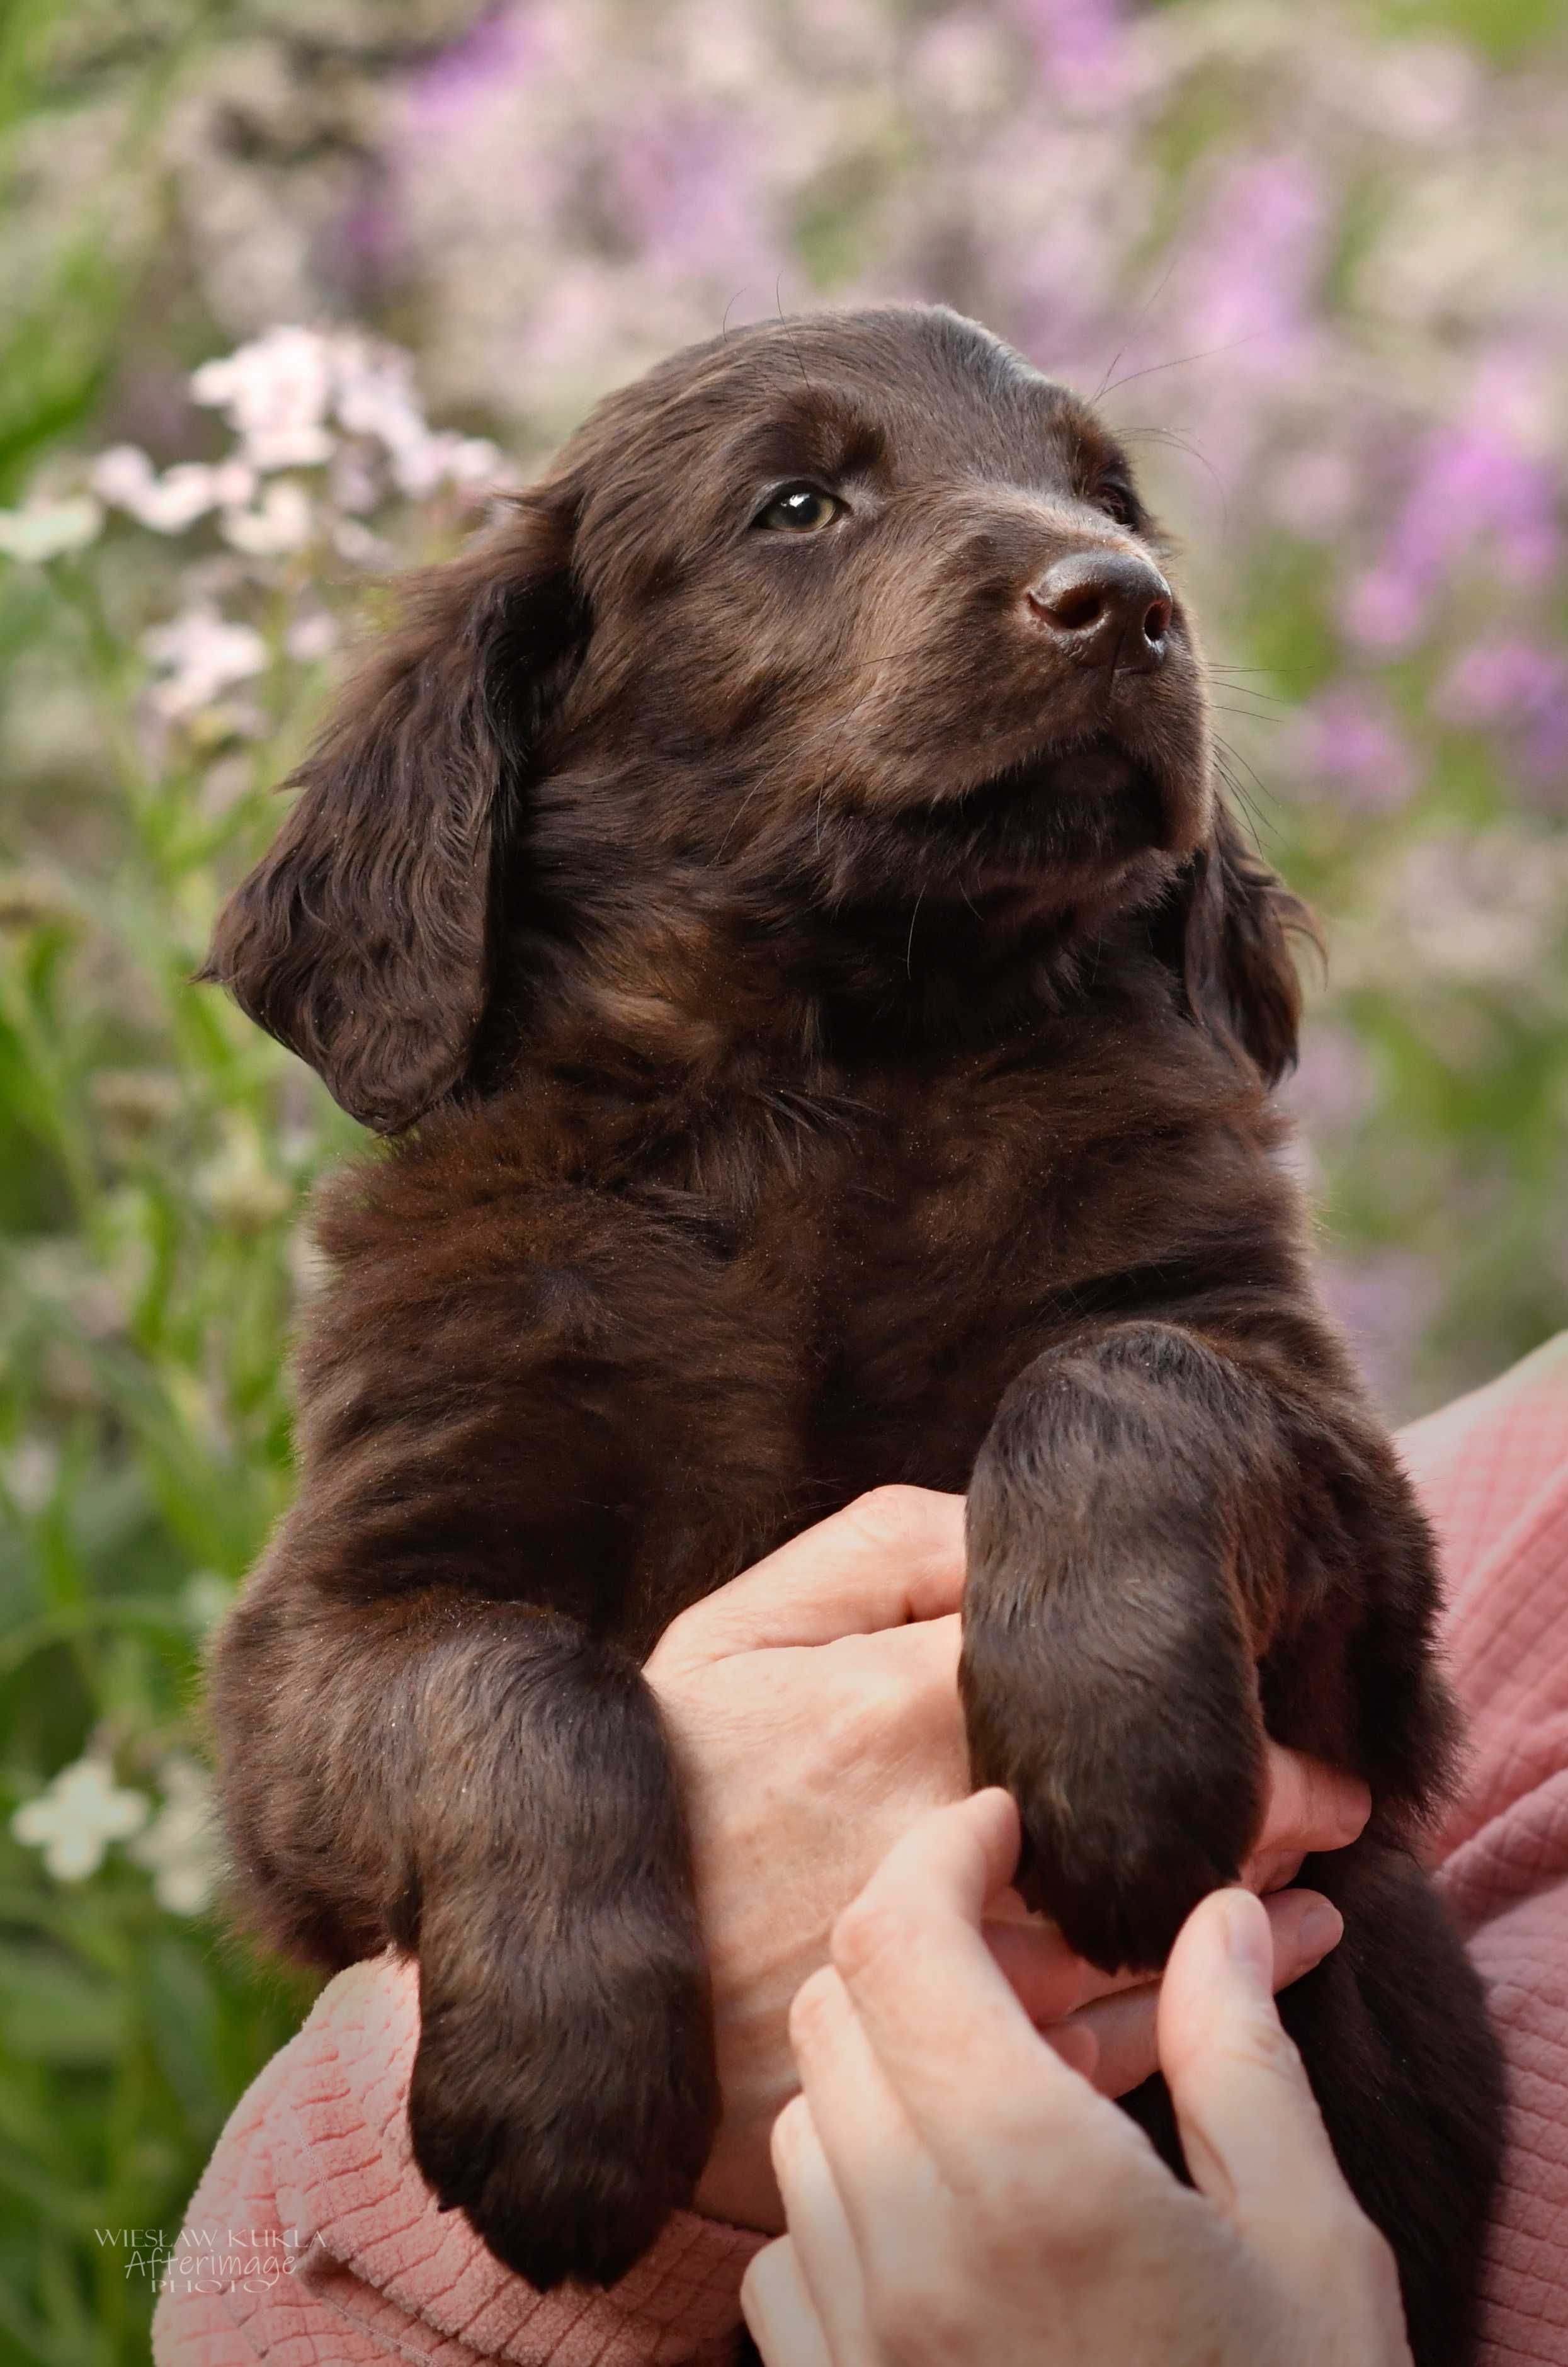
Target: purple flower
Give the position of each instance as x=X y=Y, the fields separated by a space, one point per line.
x=1242 y=286
x=686 y=194
x=1476 y=484
x=1348 y=743
x=1519 y=689
x=1500 y=682
x=1383 y=609
x=1247 y=281
x=1080 y=48
x=500 y=47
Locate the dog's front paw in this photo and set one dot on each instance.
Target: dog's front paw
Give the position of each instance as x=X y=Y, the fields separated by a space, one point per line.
x=567 y=2119
x=1137 y=1801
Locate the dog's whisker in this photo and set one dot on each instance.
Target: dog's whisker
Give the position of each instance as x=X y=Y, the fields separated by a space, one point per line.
x=910 y=949
x=1138 y=318
x=1180 y=361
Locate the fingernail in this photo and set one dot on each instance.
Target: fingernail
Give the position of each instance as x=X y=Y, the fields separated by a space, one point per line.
x=1321 y=1927
x=1249 y=1942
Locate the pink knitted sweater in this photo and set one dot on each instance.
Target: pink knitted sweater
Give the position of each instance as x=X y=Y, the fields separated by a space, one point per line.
x=313 y=2242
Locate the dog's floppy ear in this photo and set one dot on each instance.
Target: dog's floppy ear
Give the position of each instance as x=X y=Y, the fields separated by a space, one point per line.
x=1236 y=920
x=362 y=939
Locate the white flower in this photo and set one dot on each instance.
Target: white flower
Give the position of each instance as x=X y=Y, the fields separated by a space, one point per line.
x=359 y=546
x=168 y=503
x=44 y=529
x=276 y=390
x=179 y=1848
x=309 y=639
x=74 y=1820
x=121 y=476
x=376 y=397
x=457 y=459
x=374 y=394
x=202 y=654
x=177 y=498
x=281 y=523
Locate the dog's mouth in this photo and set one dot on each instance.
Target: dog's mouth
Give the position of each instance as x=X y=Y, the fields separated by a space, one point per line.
x=1094 y=776
x=1088 y=801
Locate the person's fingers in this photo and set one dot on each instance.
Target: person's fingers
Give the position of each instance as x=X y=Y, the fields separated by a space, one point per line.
x=1311 y=1806
x=1251 y=2132
x=847 y=2136
x=778 y=2309
x=926 y=1991
x=826 y=2258
x=892 y=1555
x=1124 y=2028
x=1041 y=1971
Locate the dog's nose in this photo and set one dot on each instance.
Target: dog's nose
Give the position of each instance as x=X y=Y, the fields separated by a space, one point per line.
x=1105 y=607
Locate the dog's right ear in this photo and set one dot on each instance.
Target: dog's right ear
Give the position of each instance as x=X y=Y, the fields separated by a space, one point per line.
x=362 y=939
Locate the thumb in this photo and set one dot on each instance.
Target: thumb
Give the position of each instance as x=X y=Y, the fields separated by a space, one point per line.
x=1250 y=2128
x=893 y=1556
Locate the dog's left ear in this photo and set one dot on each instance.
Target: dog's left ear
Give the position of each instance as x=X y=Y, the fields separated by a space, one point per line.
x=362 y=939
x=1237 y=920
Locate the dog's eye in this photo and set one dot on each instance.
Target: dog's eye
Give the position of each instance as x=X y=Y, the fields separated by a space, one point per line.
x=1118 y=500
x=801 y=509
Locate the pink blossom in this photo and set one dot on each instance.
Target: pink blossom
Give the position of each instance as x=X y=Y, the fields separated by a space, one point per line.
x=275 y=391
x=280 y=522
x=1080 y=47
x=125 y=478
x=685 y=192
x=201 y=654
x=1520 y=689
x=1348 y=742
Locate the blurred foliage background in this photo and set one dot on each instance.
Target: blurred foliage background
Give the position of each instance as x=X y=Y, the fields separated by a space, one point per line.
x=1312 y=259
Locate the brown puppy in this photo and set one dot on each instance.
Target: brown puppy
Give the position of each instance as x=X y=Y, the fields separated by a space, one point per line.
x=780 y=871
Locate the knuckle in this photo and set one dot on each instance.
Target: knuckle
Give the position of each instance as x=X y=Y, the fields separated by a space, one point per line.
x=679 y=1636
x=893 y=1517
x=1258 y=2041
x=812 y=2008
x=869 y=1932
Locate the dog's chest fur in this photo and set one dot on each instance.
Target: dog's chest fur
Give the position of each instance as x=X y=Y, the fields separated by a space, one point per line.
x=725 y=1319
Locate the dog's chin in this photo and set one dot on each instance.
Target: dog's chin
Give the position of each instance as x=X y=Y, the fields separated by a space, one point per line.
x=1044 y=830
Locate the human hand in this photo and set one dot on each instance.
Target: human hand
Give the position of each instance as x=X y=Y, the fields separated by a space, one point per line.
x=812 y=1707
x=956 y=2192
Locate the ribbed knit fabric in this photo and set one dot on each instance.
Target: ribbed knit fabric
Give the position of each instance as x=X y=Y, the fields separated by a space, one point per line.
x=312 y=2241
x=1493 y=1472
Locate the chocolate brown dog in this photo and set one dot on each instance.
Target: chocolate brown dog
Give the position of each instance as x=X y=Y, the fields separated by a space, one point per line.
x=780 y=877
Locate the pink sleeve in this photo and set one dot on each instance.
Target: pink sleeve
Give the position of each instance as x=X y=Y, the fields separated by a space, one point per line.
x=1493 y=1472
x=312 y=2241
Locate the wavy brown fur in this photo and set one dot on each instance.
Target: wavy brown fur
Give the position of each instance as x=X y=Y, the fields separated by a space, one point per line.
x=839 y=1022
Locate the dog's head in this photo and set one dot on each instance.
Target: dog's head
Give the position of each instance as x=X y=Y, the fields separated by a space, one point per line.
x=821 y=628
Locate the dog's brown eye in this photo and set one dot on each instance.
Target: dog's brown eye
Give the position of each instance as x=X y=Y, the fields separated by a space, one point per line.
x=1118 y=501
x=801 y=509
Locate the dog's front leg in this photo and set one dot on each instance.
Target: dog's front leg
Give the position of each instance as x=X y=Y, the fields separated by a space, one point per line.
x=489 y=1787
x=1113 y=1616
